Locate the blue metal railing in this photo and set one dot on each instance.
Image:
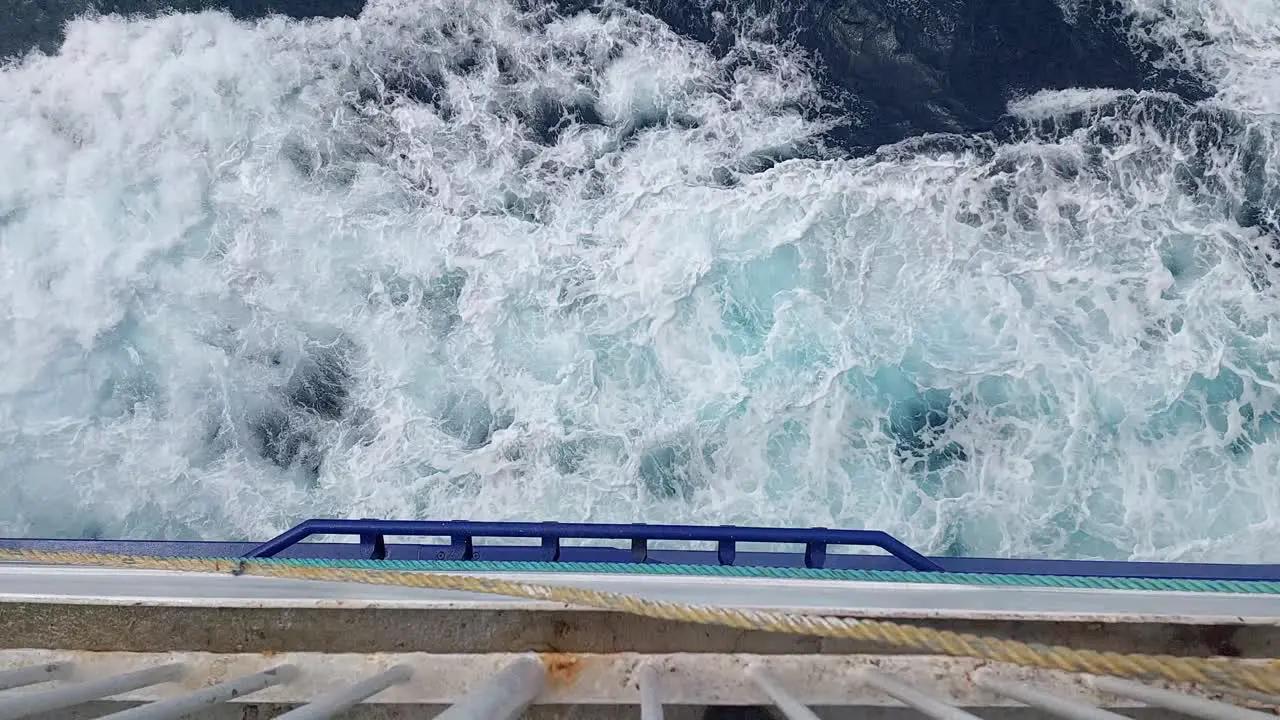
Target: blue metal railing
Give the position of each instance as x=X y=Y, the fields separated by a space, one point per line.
x=373 y=533
x=461 y=547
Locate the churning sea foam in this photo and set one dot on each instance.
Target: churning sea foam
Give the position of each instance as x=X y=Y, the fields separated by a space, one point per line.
x=464 y=259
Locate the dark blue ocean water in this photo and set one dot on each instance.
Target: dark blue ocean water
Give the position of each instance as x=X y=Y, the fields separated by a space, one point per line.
x=895 y=68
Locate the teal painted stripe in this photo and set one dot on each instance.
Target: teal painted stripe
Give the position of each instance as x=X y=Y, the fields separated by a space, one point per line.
x=1259 y=587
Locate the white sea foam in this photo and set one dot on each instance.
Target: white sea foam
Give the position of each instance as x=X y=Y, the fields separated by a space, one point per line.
x=977 y=354
x=1236 y=41
x=1055 y=103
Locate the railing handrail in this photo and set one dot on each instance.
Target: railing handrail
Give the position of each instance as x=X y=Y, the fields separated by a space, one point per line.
x=463 y=532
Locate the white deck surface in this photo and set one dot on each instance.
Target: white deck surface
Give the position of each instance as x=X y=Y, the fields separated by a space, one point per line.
x=82 y=585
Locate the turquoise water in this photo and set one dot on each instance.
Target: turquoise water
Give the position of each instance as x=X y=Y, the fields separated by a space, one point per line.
x=246 y=284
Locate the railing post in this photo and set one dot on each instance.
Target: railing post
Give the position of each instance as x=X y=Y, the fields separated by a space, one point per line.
x=504 y=696
x=32 y=674
x=1060 y=706
x=208 y=697
x=650 y=695
x=926 y=704
x=1264 y=698
x=330 y=704
x=787 y=703
x=70 y=695
x=1178 y=702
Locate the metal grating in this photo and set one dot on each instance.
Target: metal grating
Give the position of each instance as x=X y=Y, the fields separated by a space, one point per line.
x=503 y=685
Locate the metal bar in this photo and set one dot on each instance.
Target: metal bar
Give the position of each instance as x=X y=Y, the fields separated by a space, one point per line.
x=787 y=703
x=63 y=697
x=208 y=697
x=427 y=551
x=1056 y=704
x=32 y=674
x=719 y=533
x=331 y=704
x=1176 y=701
x=650 y=695
x=927 y=705
x=1264 y=698
x=504 y=696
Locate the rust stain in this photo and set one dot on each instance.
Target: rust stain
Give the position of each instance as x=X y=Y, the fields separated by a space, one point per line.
x=562 y=668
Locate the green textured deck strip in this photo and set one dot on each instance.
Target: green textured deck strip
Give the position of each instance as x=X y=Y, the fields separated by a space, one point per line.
x=1252 y=587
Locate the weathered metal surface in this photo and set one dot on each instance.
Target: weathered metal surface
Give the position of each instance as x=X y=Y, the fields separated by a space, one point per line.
x=687 y=679
x=146 y=628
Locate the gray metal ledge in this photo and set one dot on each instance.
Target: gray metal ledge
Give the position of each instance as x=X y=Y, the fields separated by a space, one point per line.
x=99 y=586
